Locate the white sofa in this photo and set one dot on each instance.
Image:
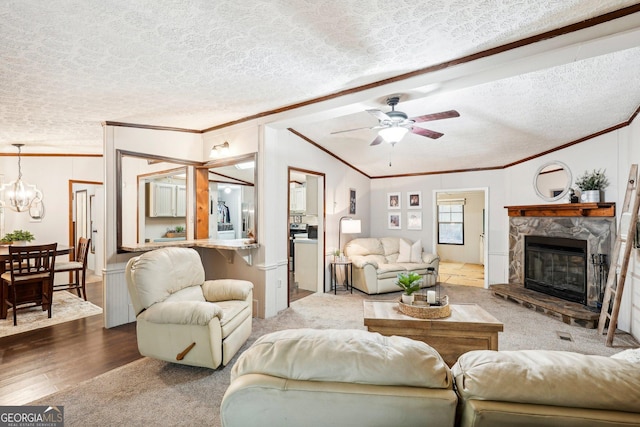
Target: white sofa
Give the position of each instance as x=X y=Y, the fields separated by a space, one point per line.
x=307 y=377
x=377 y=261
x=183 y=318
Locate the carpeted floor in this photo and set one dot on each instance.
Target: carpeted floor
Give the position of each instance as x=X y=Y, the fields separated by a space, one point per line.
x=66 y=307
x=151 y=392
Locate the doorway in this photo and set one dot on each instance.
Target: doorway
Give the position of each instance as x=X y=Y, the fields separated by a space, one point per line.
x=460 y=238
x=305 y=240
x=86 y=219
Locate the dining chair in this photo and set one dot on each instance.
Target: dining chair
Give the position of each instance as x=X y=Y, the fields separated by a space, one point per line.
x=77 y=266
x=29 y=279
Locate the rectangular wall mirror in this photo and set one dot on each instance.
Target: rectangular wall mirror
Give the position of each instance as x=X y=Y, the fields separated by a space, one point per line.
x=232 y=197
x=151 y=198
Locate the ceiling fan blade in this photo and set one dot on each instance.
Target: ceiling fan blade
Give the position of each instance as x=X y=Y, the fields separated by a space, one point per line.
x=379 y=115
x=350 y=130
x=426 y=132
x=436 y=116
x=377 y=141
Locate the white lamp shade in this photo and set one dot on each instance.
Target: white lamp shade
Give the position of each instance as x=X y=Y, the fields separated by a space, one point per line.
x=393 y=134
x=351 y=226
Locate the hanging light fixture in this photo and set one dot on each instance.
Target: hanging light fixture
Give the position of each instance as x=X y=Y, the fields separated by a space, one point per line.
x=18 y=195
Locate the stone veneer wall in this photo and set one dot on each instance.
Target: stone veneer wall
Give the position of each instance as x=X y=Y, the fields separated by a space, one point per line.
x=599 y=232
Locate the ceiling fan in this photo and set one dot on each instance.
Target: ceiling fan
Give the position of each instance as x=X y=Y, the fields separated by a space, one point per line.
x=394 y=124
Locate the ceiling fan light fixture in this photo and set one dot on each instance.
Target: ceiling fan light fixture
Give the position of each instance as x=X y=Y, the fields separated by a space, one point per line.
x=393 y=134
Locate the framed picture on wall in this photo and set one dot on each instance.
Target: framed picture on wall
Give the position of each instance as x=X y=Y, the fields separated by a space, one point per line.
x=414 y=199
x=352 y=201
x=414 y=220
x=393 y=201
x=394 y=221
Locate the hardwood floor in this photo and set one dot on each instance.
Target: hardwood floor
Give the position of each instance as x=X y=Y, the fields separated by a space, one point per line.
x=37 y=363
x=460 y=273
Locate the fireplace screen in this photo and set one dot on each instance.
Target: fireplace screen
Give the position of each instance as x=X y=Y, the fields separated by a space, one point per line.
x=556 y=266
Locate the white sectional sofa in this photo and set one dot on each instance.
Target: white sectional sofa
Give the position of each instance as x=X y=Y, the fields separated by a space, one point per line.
x=306 y=377
x=377 y=261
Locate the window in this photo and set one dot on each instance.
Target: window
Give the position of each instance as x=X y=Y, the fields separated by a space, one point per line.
x=451 y=224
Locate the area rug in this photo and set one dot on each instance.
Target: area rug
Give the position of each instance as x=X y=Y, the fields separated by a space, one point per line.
x=152 y=392
x=66 y=307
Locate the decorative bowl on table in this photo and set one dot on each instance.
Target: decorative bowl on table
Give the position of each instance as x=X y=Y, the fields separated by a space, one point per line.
x=421 y=309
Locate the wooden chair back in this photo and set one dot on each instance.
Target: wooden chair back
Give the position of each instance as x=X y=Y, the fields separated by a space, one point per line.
x=82 y=251
x=32 y=260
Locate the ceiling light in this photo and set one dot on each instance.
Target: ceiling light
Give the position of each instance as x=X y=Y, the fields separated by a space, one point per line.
x=18 y=195
x=219 y=150
x=393 y=134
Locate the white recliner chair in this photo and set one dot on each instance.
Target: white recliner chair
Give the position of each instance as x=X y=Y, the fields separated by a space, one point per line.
x=183 y=318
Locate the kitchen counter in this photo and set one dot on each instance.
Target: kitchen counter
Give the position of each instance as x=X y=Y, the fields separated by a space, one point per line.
x=232 y=244
x=227 y=248
x=306 y=241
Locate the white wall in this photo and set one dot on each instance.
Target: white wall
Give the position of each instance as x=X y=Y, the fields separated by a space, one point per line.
x=470 y=251
x=282 y=150
x=178 y=145
x=50 y=174
x=614 y=152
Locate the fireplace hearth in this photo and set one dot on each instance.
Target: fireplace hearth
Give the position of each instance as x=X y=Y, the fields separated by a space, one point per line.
x=556 y=266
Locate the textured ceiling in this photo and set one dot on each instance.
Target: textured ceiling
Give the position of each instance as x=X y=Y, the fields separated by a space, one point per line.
x=69 y=65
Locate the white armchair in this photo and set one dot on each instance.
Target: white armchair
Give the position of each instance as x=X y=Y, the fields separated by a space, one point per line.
x=183 y=318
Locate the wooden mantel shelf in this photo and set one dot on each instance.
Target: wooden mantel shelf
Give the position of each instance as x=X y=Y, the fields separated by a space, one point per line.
x=564 y=209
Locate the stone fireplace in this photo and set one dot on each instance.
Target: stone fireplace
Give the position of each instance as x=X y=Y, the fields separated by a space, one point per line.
x=580 y=230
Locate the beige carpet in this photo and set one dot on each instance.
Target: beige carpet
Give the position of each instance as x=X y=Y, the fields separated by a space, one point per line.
x=66 y=307
x=151 y=392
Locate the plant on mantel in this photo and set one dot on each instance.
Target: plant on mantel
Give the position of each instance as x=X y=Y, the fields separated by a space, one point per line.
x=592 y=184
x=595 y=180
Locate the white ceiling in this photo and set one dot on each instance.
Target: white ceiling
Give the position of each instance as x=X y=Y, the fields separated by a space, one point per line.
x=67 y=66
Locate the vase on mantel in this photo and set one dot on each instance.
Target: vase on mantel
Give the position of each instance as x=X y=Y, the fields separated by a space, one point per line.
x=591 y=196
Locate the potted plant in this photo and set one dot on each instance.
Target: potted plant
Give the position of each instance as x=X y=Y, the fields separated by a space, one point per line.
x=591 y=185
x=18 y=237
x=336 y=255
x=409 y=283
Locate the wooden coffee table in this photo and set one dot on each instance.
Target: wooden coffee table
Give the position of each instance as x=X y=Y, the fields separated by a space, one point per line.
x=468 y=328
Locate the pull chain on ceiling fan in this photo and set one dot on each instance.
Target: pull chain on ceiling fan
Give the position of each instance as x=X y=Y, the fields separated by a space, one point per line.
x=394 y=125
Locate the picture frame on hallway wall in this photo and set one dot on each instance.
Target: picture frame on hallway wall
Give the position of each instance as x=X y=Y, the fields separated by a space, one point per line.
x=352 y=201
x=394 y=222
x=414 y=220
x=393 y=201
x=414 y=199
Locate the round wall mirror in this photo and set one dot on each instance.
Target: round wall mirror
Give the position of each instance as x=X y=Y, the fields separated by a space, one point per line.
x=552 y=181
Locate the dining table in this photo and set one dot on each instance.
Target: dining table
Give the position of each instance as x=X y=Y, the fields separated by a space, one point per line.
x=4 y=258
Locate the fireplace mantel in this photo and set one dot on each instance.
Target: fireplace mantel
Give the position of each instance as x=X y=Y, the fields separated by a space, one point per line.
x=565 y=209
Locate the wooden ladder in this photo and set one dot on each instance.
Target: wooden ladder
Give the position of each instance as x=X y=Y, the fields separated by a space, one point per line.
x=618 y=269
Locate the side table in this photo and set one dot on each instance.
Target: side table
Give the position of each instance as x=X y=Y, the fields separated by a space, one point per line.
x=333 y=265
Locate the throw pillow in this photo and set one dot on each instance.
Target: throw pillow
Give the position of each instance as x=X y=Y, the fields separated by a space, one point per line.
x=405 y=252
x=410 y=252
x=416 y=252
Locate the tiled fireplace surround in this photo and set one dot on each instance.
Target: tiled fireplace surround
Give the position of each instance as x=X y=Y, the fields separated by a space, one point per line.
x=599 y=232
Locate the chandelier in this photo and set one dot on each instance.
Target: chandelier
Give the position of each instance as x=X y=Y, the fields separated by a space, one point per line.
x=18 y=195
